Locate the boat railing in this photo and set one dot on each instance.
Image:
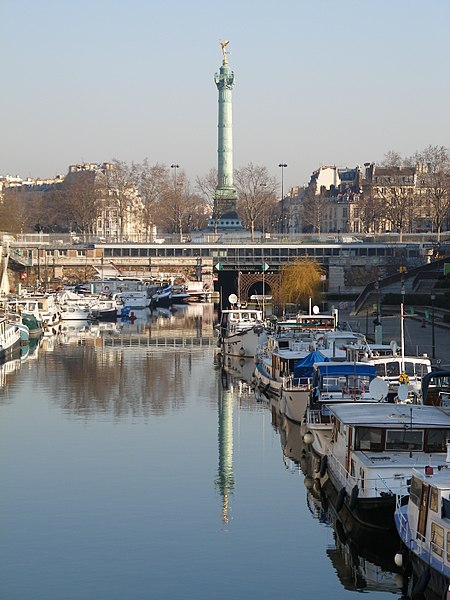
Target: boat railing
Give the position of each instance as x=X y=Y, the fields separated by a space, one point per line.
x=314 y=417
x=296 y=383
x=367 y=485
x=430 y=551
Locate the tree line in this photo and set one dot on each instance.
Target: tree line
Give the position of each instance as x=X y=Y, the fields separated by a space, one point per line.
x=161 y=196
x=150 y=195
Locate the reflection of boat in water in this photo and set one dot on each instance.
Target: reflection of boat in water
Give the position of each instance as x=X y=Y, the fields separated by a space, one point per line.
x=357 y=571
x=239 y=368
x=8 y=368
x=361 y=557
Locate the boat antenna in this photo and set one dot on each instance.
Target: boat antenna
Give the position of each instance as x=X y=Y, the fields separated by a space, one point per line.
x=402 y=323
x=411 y=425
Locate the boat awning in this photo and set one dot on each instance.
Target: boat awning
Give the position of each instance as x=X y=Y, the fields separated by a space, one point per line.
x=305 y=366
x=342 y=369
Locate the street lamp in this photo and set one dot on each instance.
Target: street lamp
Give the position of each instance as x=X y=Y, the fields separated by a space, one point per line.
x=378 y=329
x=263 y=192
x=377 y=288
x=174 y=166
x=433 y=339
x=282 y=167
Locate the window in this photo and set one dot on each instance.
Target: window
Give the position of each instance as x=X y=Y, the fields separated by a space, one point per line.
x=434 y=499
x=380 y=369
x=415 y=492
x=436 y=440
x=392 y=369
x=62 y=252
x=81 y=252
x=437 y=539
x=369 y=439
x=404 y=439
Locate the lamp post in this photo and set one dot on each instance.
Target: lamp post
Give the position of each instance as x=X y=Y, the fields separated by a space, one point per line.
x=378 y=329
x=433 y=339
x=263 y=193
x=175 y=167
x=402 y=324
x=282 y=167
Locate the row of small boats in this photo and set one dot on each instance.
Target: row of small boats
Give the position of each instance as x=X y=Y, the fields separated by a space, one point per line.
x=377 y=423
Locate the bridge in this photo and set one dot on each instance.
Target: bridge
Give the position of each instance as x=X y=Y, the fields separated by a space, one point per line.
x=349 y=265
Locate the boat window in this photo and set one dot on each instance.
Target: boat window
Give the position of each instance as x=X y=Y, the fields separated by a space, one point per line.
x=332 y=384
x=437 y=539
x=421 y=369
x=415 y=492
x=448 y=546
x=380 y=370
x=409 y=368
x=436 y=440
x=368 y=438
x=404 y=439
x=392 y=369
x=434 y=499
x=445 y=508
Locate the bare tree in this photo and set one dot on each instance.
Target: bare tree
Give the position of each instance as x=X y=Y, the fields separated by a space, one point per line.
x=121 y=188
x=81 y=196
x=152 y=181
x=20 y=211
x=206 y=186
x=399 y=207
x=433 y=165
x=371 y=210
x=177 y=204
x=314 y=208
x=392 y=159
x=254 y=186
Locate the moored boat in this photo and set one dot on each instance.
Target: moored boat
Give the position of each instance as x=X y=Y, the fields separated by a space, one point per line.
x=423 y=524
x=373 y=450
x=241 y=331
x=9 y=339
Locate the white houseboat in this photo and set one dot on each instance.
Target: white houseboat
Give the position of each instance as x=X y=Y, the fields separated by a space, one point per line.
x=424 y=528
x=373 y=451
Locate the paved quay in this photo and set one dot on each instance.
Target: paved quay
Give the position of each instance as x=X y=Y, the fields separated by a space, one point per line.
x=418 y=334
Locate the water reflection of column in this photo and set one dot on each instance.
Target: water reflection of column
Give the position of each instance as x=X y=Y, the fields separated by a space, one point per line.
x=225 y=478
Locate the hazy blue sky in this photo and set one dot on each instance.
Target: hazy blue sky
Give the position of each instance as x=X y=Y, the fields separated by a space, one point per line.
x=316 y=82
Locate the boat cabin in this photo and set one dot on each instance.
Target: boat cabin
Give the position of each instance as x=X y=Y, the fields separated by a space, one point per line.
x=239 y=319
x=391 y=367
x=333 y=381
x=424 y=523
x=378 y=444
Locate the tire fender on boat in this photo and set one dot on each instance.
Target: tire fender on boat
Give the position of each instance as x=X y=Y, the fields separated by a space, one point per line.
x=341 y=532
x=340 y=499
x=323 y=465
x=422 y=582
x=354 y=497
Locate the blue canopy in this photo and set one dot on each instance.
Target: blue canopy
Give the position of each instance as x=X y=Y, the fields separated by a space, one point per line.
x=344 y=368
x=304 y=367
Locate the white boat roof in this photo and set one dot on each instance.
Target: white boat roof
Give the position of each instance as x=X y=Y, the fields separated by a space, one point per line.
x=388 y=415
x=439 y=479
x=242 y=310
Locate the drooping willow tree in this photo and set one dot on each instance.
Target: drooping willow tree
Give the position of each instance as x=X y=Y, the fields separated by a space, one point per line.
x=301 y=281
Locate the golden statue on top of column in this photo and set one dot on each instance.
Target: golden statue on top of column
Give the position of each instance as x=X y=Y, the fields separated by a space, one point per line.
x=223 y=45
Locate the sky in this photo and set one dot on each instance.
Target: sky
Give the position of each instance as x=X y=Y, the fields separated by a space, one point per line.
x=318 y=82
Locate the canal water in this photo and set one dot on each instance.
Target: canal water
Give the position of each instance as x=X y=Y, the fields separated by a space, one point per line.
x=133 y=466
